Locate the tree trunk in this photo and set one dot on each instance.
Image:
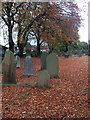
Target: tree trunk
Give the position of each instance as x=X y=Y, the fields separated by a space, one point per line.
x=21 y=48
x=11 y=43
x=66 y=45
x=19 y=44
x=38 y=46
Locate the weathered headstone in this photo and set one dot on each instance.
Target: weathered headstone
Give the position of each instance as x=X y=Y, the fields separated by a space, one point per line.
x=43 y=60
x=52 y=64
x=28 y=66
x=28 y=49
x=17 y=59
x=9 y=68
x=43 y=79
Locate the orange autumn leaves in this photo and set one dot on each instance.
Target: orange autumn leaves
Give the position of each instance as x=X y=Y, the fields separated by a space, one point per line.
x=51 y=20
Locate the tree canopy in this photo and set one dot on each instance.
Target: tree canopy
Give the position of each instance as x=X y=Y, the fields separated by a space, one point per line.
x=49 y=21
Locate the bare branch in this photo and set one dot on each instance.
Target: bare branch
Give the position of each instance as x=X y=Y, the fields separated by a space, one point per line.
x=41 y=42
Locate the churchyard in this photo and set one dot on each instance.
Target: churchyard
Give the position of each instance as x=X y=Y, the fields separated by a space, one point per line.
x=45 y=87
x=44 y=66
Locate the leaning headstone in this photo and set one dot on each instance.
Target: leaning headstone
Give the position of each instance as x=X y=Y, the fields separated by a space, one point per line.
x=28 y=66
x=43 y=60
x=52 y=64
x=9 y=68
x=43 y=79
x=17 y=59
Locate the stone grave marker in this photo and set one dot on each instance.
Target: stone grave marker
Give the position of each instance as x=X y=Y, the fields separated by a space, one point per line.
x=28 y=49
x=17 y=59
x=79 y=53
x=28 y=66
x=9 y=68
x=43 y=60
x=43 y=79
x=66 y=54
x=52 y=64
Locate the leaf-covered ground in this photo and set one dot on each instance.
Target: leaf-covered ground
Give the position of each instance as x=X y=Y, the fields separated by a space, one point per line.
x=68 y=96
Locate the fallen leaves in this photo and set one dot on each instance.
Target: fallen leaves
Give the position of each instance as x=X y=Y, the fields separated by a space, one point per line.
x=68 y=96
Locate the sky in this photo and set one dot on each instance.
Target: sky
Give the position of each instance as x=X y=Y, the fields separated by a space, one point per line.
x=83 y=30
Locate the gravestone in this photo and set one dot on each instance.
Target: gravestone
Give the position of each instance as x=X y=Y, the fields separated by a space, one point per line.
x=9 y=68
x=52 y=64
x=28 y=66
x=66 y=54
x=79 y=53
x=43 y=60
x=43 y=79
x=28 y=49
x=17 y=59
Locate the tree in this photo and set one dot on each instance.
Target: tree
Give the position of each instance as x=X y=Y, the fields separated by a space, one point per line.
x=49 y=21
x=55 y=31
x=9 y=12
x=28 y=15
x=67 y=19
